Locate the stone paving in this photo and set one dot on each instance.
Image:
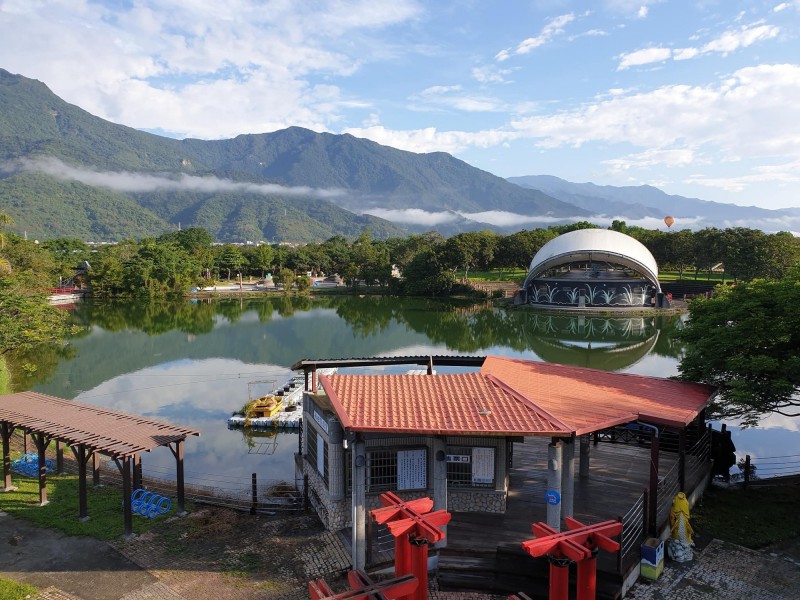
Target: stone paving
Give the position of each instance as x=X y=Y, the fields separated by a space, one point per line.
x=725 y=571
x=206 y=565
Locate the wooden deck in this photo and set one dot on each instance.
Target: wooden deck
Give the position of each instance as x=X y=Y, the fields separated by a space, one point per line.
x=484 y=550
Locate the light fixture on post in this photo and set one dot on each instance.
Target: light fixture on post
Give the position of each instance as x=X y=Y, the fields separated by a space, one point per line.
x=440 y=456
x=360 y=460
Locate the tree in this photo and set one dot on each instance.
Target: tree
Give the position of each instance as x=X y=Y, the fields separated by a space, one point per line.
x=745 y=340
x=231 y=259
x=262 y=258
x=427 y=275
x=26 y=318
x=285 y=277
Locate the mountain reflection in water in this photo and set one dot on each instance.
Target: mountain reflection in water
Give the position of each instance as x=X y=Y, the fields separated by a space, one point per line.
x=191 y=362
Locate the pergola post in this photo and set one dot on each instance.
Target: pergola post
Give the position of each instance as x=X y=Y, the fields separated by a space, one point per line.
x=6 y=429
x=81 y=457
x=125 y=470
x=41 y=446
x=59 y=458
x=554 y=484
x=180 y=486
x=137 y=471
x=95 y=468
x=653 y=504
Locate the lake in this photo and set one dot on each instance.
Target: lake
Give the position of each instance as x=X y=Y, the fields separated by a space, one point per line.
x=196 y=362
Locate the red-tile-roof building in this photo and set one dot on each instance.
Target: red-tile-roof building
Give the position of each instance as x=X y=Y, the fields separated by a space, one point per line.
x=450 y=436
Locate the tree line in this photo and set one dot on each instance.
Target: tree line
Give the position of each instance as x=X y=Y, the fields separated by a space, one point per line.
x=431 y=265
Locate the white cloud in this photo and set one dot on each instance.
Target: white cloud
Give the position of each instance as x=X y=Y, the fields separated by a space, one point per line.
x=142 y=62
x=726 y=43
x=751 y=114
x=414 y=216
x=430 y=139
x=781 y=6
x=642 y=12
x=552 y=28
x=741 y=38
x=652 y=157
x=645 y=56
x=440 y=89
x=780 y=173
x=146 y=182
x=490 y=74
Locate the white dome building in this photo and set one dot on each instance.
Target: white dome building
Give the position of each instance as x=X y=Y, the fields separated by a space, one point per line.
x=593 y=267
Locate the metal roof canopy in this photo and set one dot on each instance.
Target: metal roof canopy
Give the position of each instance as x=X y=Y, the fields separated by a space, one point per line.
x=89 y=430
x=444 y=360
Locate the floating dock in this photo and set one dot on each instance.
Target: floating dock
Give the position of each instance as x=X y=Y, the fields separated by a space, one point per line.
x=291 y=412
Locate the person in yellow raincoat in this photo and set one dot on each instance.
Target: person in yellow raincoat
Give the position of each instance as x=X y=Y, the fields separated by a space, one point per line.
x=680 y=546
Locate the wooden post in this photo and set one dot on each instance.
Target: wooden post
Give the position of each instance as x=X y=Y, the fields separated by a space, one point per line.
x=41 y=448
x=180 y=484
x=746 y=470
x=125 y=468
x=6 y=430
x=95 y=468
x=254 y=494
x=653 y=500
x=137 y=471
x=59 y=458
x=80 y=455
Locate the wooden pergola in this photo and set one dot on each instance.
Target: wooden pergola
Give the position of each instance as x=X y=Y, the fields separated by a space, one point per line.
x=89 y=431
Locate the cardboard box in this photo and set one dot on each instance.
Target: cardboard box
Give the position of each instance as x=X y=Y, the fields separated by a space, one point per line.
x=652 y=564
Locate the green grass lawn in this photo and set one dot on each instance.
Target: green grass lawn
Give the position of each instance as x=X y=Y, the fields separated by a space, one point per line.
x=755 y=518
x=11 y=590
x=104 y=506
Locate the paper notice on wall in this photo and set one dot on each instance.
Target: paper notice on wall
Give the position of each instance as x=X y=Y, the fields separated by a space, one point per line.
x=412 y=469
x=482 y=465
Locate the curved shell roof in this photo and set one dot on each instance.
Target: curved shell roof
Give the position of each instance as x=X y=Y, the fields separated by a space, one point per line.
x=595 y=245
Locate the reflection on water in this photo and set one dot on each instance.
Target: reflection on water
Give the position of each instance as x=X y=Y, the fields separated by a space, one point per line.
x=191 y=362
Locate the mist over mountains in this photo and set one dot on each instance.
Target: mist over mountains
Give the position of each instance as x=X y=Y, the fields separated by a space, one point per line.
x=65 y=172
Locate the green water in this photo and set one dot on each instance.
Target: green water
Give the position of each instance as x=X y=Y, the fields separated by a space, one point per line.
x=194 y=363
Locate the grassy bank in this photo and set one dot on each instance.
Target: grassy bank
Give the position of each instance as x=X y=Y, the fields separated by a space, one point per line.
x=104 y=506
x=11 y=590
x=755 y=518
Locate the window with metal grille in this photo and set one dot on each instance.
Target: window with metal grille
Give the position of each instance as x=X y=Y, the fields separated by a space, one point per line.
x=460 y=467
x=381 y=470
x=317 y=456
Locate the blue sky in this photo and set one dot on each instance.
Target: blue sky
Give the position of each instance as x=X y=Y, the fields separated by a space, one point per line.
x=697 y=98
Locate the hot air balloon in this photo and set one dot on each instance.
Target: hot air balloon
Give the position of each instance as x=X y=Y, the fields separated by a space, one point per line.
x=669 y=221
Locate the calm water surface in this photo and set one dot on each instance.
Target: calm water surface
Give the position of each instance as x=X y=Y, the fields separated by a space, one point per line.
x=195 y=363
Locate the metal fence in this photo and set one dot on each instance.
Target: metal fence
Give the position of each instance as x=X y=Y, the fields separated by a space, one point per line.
x=263 y=496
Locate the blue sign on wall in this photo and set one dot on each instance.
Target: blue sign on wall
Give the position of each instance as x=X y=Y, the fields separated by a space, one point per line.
x=552 y=497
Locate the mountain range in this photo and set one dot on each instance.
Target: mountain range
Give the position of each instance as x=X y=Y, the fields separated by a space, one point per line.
x=65 y=172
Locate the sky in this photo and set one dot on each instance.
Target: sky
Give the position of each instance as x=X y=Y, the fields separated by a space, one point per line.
x=700 y=98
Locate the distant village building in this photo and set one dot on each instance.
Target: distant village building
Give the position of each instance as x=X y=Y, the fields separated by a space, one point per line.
x=593 y=267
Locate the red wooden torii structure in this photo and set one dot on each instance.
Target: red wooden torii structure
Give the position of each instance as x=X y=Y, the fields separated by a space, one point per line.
x=579 y=545
x=363 y=588
x=414 y=528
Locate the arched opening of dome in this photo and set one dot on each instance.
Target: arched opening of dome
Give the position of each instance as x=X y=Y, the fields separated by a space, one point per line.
x=595 y=267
